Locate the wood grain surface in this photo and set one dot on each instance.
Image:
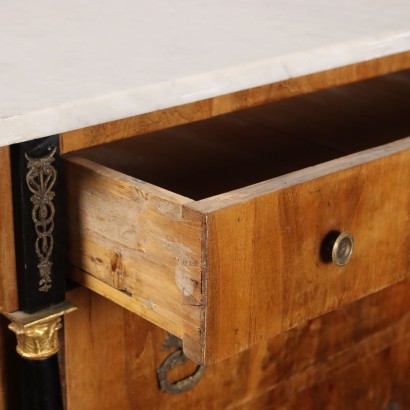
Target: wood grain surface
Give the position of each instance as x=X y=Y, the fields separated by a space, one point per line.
x=258 y=271
x=356 y=357
x=265 y=270
x=162 y=119
x=227 y=271
x=379 y=381
x=8 y=281
x=134 y=237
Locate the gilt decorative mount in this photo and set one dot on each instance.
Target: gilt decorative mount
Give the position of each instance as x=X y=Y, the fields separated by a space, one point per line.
x=37 y=333
x=39 y=341
x=41 y=178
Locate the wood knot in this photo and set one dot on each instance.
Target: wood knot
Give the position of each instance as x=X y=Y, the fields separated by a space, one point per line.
x=117 y=270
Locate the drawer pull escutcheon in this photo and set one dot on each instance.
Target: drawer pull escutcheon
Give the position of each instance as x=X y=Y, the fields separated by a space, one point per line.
x=342 y=250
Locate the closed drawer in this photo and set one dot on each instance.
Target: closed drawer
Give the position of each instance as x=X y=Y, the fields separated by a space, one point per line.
x=216 y=231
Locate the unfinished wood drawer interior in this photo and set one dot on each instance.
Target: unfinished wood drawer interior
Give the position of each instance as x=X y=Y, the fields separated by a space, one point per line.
x=216 y=230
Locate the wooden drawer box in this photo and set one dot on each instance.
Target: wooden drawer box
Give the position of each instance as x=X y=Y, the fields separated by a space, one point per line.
x=216 y=230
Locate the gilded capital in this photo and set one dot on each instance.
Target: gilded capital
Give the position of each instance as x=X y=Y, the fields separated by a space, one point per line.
x=38 y=341
x=37 y=333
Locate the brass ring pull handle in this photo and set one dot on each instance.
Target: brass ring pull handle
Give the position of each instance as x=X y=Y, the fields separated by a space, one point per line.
x=342 y=249
x=175 y=359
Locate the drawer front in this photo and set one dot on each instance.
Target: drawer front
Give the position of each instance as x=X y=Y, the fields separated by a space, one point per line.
x=228 y=271
x=266 y=272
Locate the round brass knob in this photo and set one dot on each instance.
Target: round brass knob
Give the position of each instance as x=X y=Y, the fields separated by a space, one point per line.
x=342 y=249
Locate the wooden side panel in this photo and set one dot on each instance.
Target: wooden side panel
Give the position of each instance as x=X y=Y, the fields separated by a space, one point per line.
x=359 y=354
x=133 y=238
x=142 y=124
x=265 y=271
x=8 y=279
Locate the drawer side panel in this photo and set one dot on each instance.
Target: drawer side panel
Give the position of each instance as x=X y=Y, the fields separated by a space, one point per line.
x=138 y=242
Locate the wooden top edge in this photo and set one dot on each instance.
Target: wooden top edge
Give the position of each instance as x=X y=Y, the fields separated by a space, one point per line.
x=227 y=199
x=119 y=176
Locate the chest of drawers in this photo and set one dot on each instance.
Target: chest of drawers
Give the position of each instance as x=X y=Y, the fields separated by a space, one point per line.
x=246 y=190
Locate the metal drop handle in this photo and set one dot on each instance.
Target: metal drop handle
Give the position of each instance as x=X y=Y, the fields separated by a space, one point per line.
x=342 y=249
x=175 y=359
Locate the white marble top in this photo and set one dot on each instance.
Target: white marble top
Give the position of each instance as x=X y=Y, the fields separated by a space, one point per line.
x=74 y=63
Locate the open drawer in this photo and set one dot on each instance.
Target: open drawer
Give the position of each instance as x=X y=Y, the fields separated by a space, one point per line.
x=217 y=231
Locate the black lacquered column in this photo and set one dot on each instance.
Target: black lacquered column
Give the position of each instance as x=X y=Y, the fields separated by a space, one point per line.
x=39 y=236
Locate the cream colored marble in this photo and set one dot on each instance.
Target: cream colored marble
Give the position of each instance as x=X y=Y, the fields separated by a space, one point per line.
x=70 y=64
